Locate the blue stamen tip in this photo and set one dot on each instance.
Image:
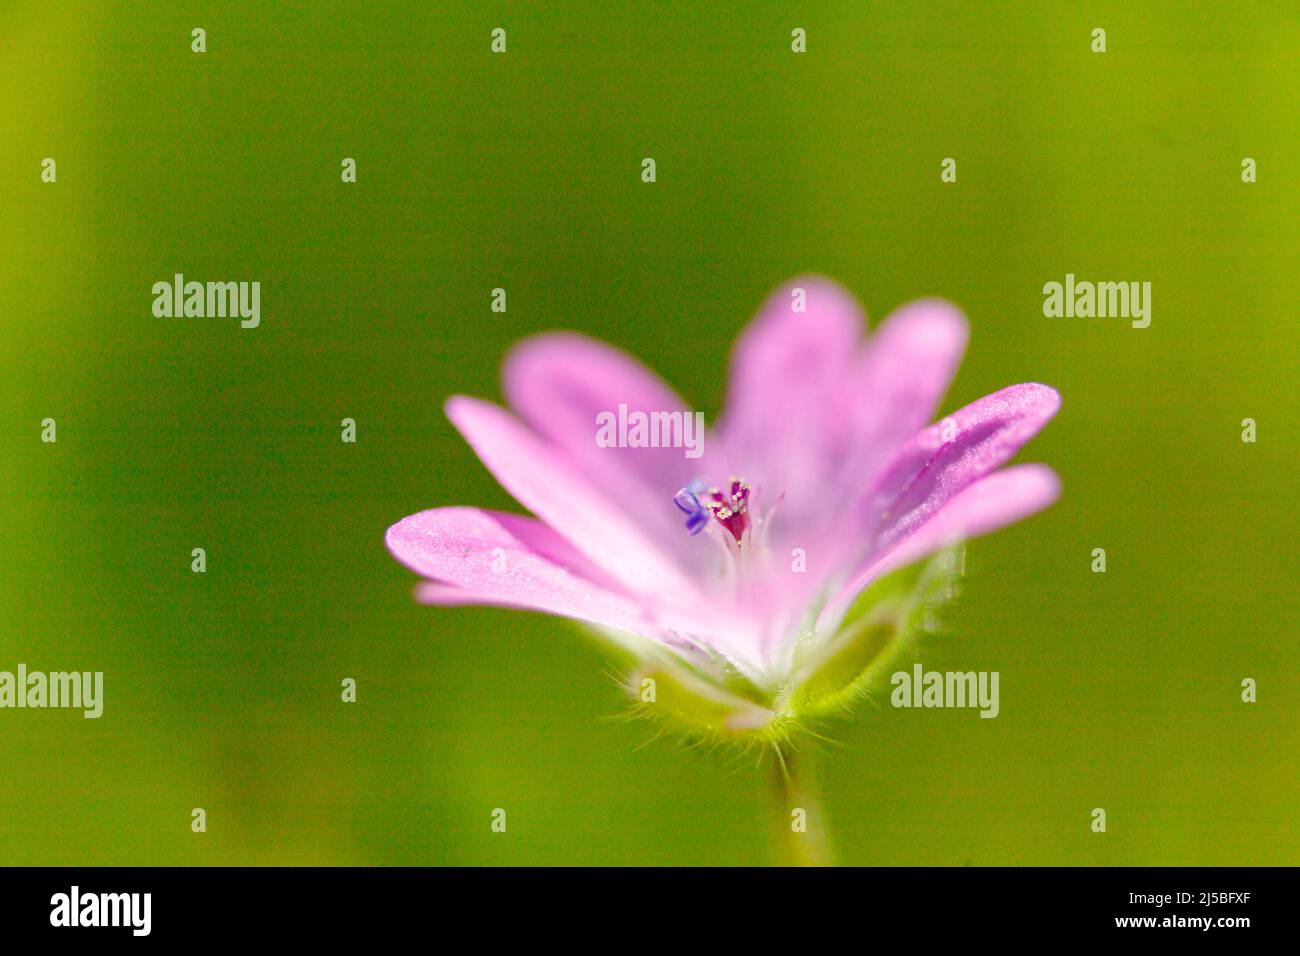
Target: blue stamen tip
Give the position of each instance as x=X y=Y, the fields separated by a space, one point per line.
x=697 y=516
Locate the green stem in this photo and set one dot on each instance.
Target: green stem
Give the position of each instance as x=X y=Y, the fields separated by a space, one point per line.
x=800 y=839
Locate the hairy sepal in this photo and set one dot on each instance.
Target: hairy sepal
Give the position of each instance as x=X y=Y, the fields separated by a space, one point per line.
x=882 y=621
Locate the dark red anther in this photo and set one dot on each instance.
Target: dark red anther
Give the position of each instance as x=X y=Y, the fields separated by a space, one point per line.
x=730 y=508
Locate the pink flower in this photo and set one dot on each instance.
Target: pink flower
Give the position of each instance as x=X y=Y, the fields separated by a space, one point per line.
x=732 y=573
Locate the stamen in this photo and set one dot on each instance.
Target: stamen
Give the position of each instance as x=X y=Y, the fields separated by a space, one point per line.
x=731 y=510
x=697 y=516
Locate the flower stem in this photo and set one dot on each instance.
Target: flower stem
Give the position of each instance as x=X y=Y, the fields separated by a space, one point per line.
x=800 y=838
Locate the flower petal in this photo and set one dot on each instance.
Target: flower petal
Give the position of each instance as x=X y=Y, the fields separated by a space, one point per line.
x=1000 y=499
x=485 y=557
x=787 y=371
x=561 y=382
x=949 y=455
x=549 y=486
x=900 y=379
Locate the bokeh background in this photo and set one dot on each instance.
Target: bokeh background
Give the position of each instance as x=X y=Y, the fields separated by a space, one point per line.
x=523 y=171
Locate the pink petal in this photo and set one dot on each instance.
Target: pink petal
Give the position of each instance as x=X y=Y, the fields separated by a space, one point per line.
x=900 y=379
x=559 y=383
x=949 y=455
x=786 y=373
x=485 y=557
x=548 y=485
x=1000 y=499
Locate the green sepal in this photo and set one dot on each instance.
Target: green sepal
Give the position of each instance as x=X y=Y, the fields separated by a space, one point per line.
x=885 y=618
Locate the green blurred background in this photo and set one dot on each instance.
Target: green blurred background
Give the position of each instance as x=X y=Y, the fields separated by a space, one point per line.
x=523 y=171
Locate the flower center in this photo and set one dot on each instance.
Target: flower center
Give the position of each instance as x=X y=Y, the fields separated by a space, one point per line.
x=729 y=507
